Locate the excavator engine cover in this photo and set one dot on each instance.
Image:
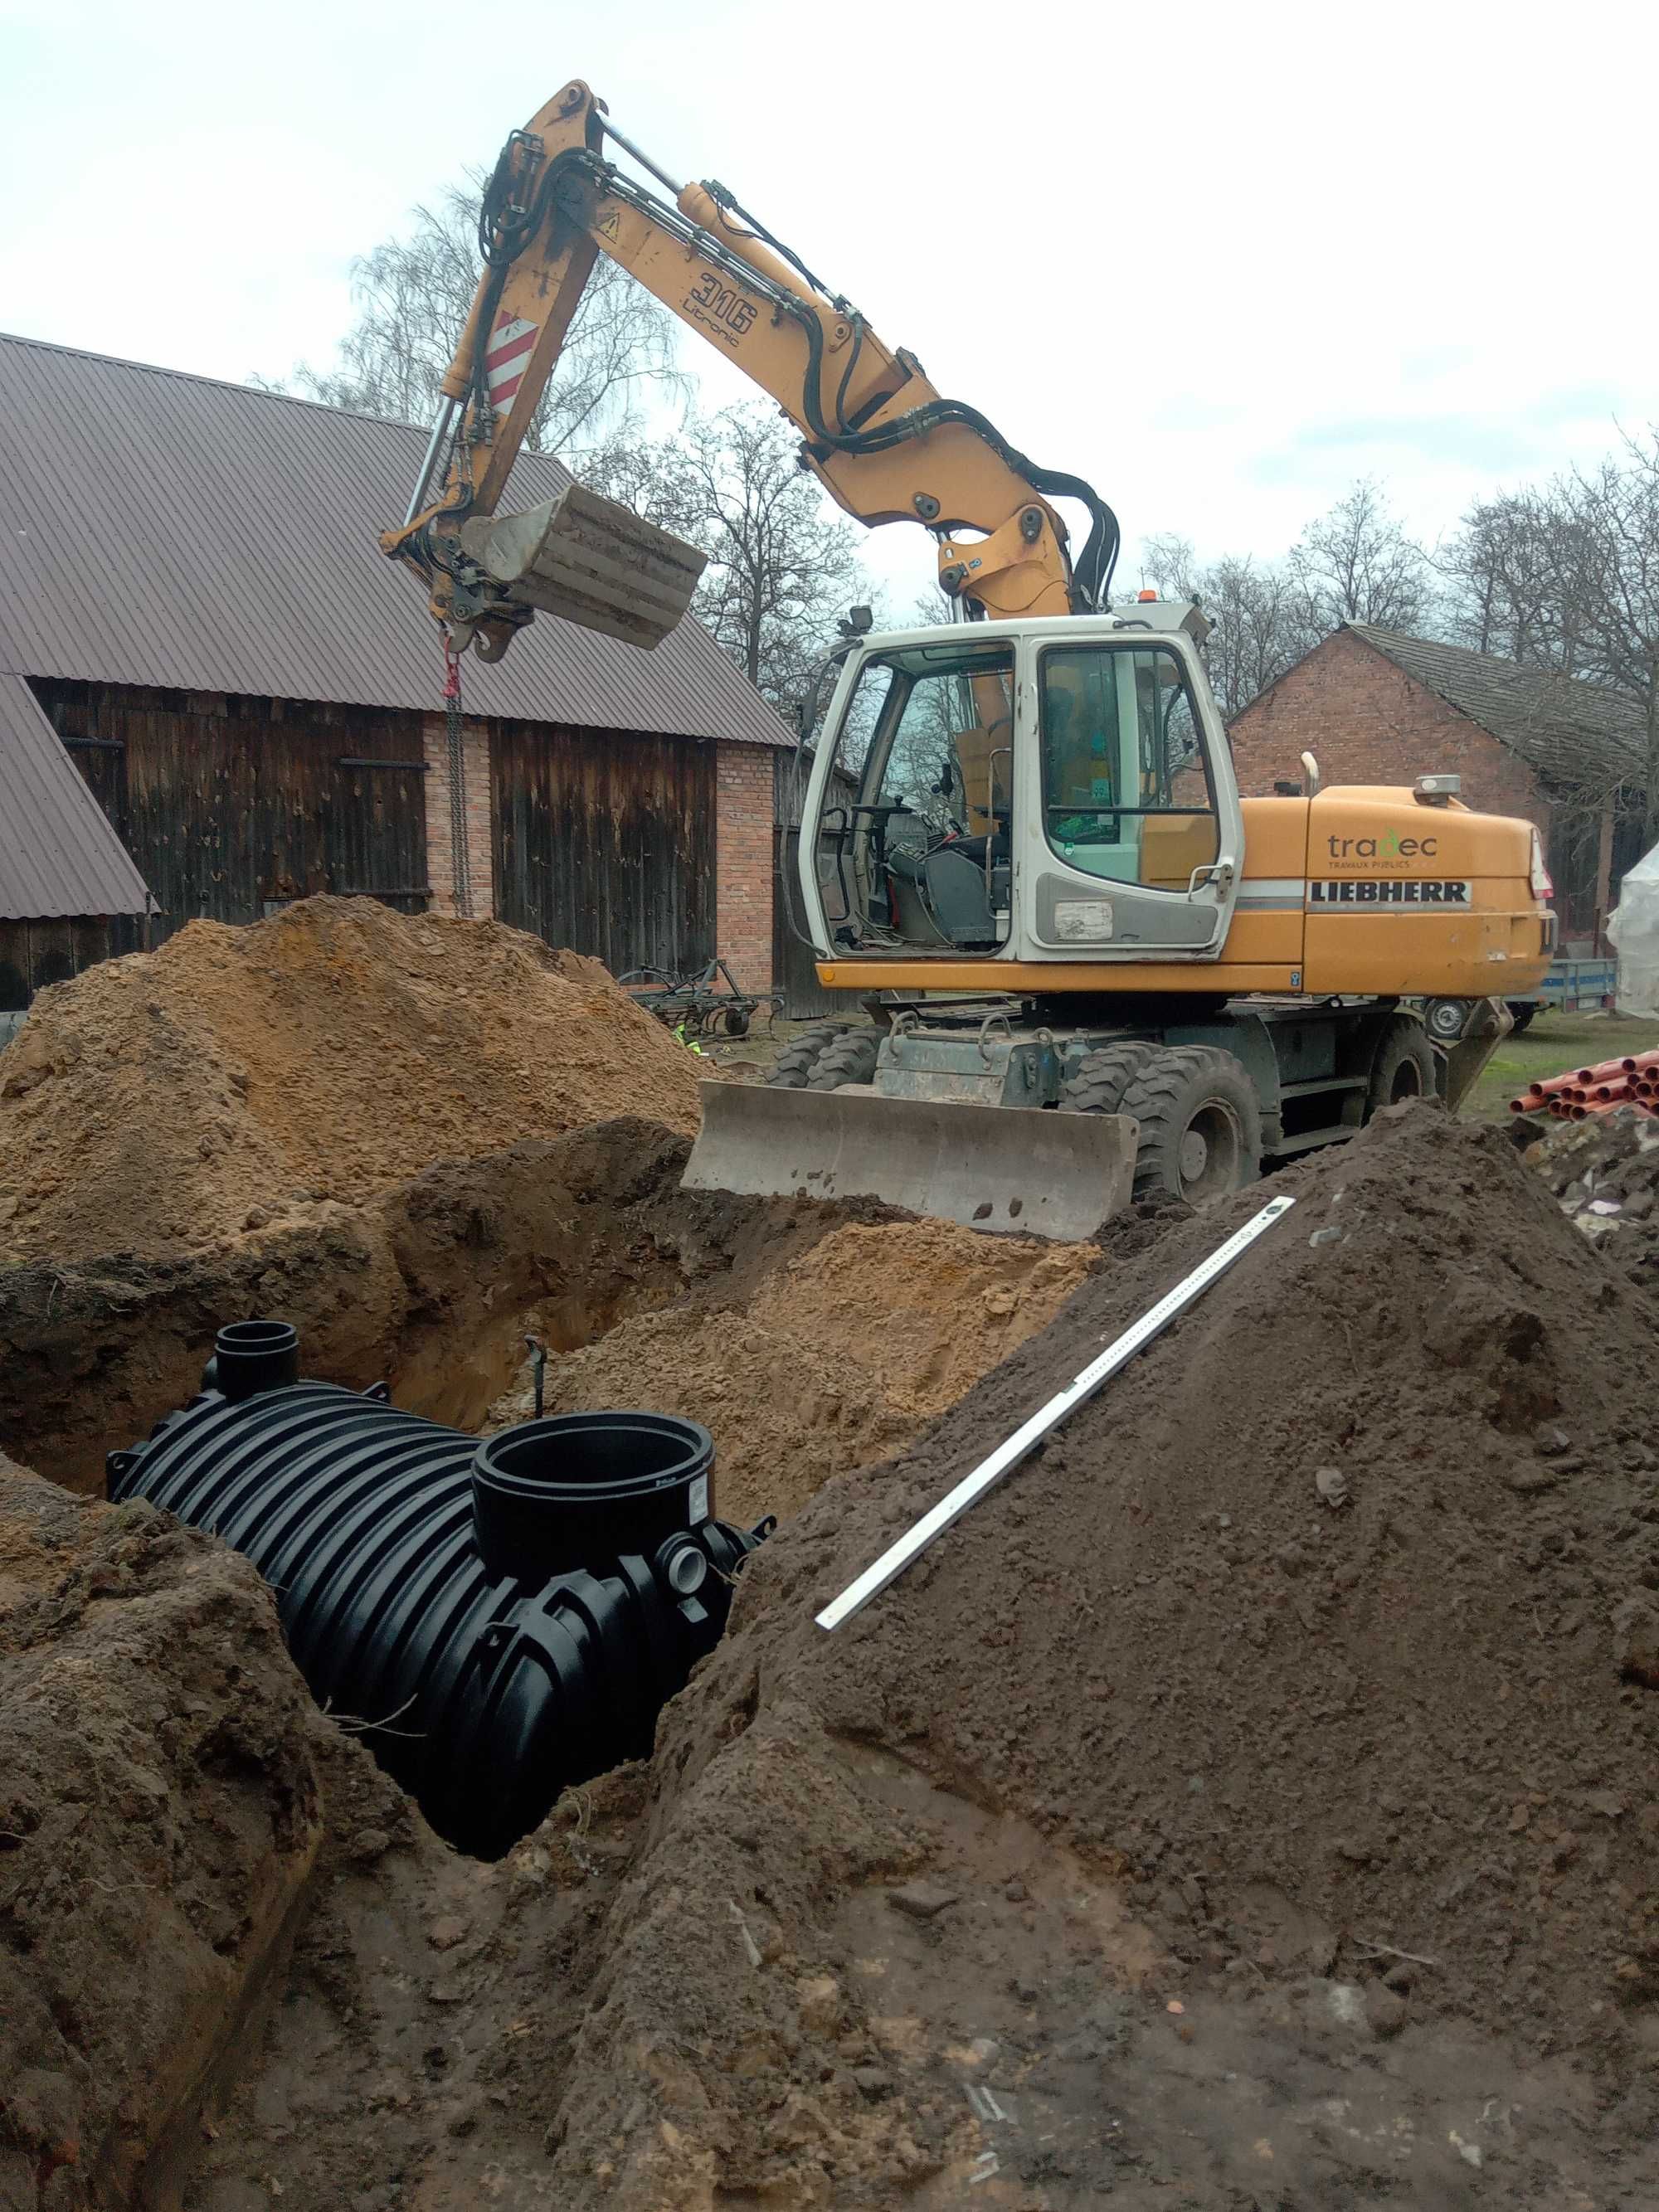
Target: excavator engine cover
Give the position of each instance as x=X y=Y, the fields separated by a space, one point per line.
x=1015 y=1168
x=590 y=561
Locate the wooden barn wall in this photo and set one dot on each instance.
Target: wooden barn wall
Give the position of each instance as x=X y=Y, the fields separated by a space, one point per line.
x=36 y=953
x=605 y=842
x=231 y=805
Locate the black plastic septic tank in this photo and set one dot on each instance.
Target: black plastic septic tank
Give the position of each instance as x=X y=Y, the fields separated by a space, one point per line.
x=506 y=1618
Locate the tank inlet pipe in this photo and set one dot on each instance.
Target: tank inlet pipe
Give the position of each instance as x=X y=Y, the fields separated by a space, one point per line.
x=1043 y=1423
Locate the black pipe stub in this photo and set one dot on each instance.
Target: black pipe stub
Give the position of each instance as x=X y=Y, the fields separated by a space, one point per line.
x=250 y=1356
x=555 y=1494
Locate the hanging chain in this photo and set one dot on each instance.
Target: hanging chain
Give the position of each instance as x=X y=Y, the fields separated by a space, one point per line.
x=459 y=862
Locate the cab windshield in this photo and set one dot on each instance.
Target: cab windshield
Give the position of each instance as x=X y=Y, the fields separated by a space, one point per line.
x=920 y=836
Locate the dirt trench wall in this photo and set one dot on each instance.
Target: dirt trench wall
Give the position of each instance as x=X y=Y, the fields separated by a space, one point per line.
x=424 y=1287
x=159 y=1817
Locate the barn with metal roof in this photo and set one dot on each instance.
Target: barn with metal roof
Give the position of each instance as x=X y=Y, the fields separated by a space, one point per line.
x=197 y=606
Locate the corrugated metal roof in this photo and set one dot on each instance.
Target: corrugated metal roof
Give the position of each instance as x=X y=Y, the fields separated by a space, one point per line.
x=164 y=529
x=59 y=854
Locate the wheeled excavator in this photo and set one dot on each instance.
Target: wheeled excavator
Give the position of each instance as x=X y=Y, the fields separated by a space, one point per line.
x=1096 y=971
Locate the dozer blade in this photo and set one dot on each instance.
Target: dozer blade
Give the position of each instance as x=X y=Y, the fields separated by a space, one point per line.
x=1018 y=1168
x=590 y=561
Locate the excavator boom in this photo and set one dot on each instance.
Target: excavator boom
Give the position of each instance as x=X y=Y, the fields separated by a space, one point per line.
x=879 y=436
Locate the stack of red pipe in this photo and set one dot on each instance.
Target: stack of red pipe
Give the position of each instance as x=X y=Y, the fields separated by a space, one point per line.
x=1583 y=1092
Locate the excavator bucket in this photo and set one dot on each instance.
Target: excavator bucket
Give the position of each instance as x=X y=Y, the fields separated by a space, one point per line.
x=1489 y=1023
x=590 y=562
x=1007 y=1168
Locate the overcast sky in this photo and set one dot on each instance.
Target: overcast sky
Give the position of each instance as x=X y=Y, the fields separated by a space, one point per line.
x=1219 y=259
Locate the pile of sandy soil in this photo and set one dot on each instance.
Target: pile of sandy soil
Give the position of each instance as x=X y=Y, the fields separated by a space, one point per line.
x=160 y=1103
x=840 y=1358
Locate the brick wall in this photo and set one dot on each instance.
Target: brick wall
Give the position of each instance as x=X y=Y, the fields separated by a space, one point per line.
x=440 y=842
x=743 y=862
x=1367 y=721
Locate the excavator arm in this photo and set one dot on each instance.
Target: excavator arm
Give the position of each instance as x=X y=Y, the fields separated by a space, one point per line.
x=881 y=439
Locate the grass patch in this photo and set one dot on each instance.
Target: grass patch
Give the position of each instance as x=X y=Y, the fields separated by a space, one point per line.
x=1554 y=1044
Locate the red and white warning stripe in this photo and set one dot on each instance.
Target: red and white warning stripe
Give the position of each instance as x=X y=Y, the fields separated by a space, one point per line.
x=506 y=359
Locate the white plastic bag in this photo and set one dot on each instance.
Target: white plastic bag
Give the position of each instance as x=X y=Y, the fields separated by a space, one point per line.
x=1633 y=927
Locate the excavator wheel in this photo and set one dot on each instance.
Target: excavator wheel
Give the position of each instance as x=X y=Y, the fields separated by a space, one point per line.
x=850 y=1058
x=1404 y=1066
x=1101 y=1076
x=1200 y=1124
x=793 y=1068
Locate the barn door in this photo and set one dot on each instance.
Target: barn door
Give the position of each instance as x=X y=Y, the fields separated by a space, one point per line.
x=375 y=832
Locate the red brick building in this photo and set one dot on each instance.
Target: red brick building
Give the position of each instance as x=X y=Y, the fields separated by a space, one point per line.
x=197 y=607
x=1374 y=706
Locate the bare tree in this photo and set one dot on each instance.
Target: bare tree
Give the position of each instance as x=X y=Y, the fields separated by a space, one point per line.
x=1356 y=564
x=781 y=568
x=412 y=295
x=1607 y=553
x=1257 y=613
x=1502 y=572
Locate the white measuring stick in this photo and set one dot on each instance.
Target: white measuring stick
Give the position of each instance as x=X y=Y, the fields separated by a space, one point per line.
x=989 y=1472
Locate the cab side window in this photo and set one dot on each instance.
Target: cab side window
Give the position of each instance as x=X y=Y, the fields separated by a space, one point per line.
x=1125 y=784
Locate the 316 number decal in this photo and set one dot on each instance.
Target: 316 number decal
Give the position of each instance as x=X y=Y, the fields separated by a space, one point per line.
x=720 y=308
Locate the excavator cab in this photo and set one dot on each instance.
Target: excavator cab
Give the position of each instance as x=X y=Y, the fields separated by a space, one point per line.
x=914 y=839
x=1024 y=792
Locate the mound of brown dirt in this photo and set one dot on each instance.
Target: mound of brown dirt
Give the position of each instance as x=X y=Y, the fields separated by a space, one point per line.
x=840 y=1358
x=164 y=1102
x=1361 y=1768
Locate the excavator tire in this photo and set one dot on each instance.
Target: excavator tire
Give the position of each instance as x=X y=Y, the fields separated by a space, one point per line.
x=1404 y=1066
x=1200 y=1124
x=850 y=1058
x=1101 y=1076
x=793 y=1068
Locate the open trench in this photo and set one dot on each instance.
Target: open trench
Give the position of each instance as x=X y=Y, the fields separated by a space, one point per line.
x=1174 y=1833
x=777 y=1323
x=705 y=1305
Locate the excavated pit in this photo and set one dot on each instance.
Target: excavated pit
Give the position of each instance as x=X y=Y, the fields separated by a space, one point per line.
x=771 y=1320
x=257 y=1122
x=1189 y=1827
x=1172 y=1834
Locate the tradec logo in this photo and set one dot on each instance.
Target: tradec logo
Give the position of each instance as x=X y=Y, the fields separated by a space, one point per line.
x=1391 y=846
